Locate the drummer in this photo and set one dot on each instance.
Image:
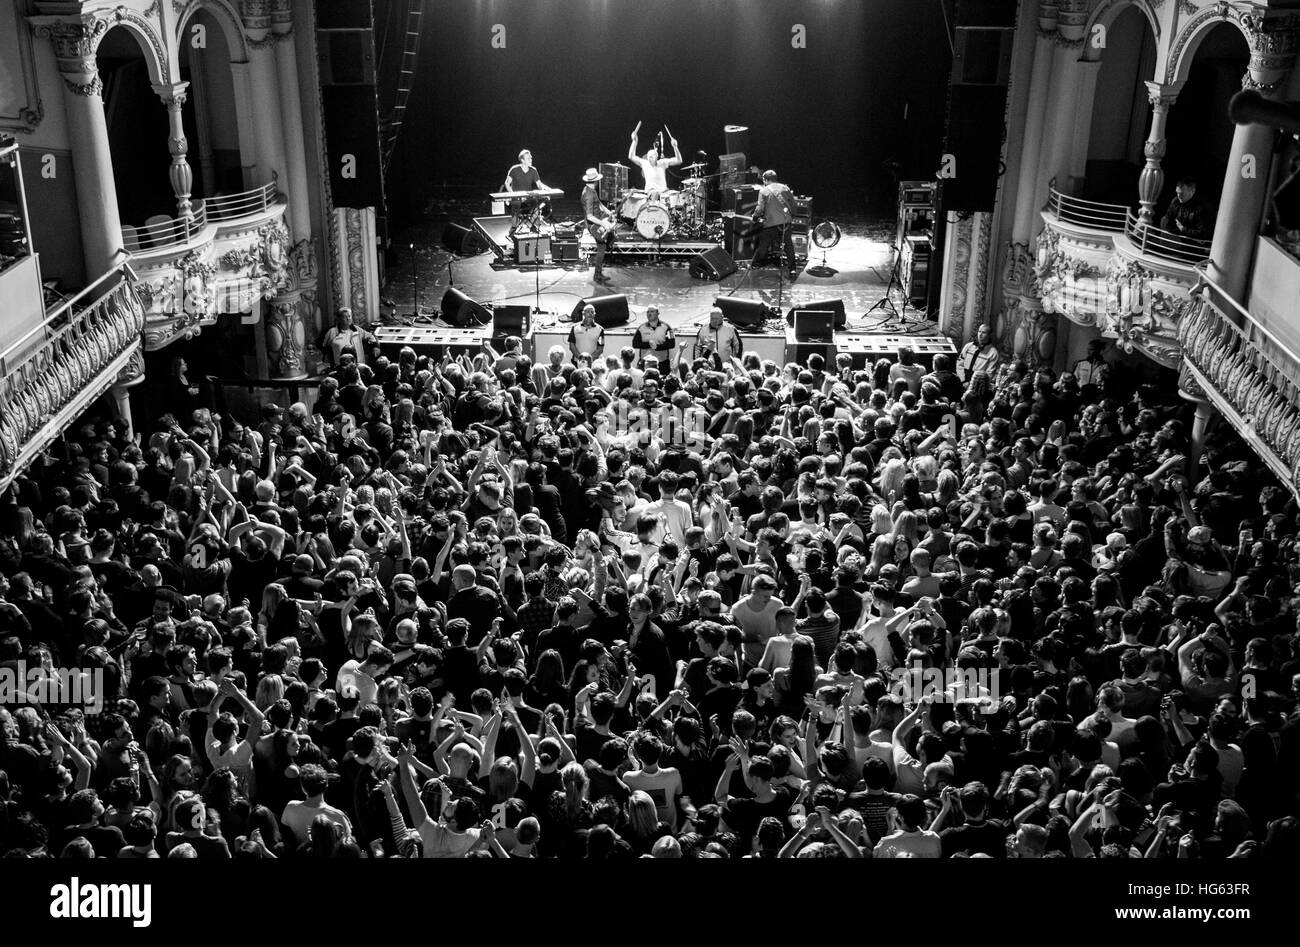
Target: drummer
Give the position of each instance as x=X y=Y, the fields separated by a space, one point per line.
x=654 y=168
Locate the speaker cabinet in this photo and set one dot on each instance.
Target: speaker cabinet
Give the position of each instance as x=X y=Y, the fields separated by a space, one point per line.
x=714 y=264
x=461 y=311
x=508 y=321
x=462 y=241
x=835 y=306
x=742 y=313
x=610 y=310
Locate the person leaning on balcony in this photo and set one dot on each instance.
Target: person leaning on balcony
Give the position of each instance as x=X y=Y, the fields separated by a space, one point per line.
x=346 y=336
x=1186 y=214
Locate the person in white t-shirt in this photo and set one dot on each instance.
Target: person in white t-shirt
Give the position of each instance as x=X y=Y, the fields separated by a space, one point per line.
x=299 y=814
x=225 y=750
x=909 y=840
x=455 y=831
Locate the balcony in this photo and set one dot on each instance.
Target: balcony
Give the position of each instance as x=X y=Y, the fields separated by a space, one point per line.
x=55 y=371
x=1099 y=265
x=231 y=254
x=1074 y=252
x=1249 y=374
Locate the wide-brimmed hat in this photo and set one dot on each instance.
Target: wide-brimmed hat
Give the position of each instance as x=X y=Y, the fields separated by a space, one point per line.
x=592 y=176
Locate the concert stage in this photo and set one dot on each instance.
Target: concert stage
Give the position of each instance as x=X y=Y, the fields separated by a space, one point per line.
x=862 y=263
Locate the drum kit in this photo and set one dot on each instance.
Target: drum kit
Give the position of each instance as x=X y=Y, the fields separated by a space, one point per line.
x=659 y=215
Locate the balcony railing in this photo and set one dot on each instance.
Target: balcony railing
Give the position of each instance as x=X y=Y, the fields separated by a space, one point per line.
x=1152 y=241
x=55 y=371
x=1092 y=215
x=176 y=232
x=1250 y=374
x=243 y=204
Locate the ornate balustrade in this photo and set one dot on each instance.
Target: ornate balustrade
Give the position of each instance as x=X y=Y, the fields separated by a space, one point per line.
x=1097 y=265
x=50 y=376
x=233 y=254
x=1248 y=373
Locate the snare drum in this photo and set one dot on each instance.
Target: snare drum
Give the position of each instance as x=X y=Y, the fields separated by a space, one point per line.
x=633 y=201
x=673 y=199
x=654 y=221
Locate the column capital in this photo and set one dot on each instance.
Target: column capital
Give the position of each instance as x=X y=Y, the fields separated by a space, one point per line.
x=1072 y=23
x=282 y=19
x=256 y=16
x=1048 y=10
x=76 y=39
x=173 y=94
x=1163 y=94
x=1274 y=41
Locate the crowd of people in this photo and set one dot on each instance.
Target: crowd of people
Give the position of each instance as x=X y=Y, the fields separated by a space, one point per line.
x=607 y=606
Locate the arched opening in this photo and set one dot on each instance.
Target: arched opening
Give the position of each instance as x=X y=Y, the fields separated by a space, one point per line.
x=1121 y=116
x=1200 y=132
x=210 y=110
x=137 y=129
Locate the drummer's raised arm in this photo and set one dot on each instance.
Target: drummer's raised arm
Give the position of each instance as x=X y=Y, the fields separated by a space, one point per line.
x=676 y=159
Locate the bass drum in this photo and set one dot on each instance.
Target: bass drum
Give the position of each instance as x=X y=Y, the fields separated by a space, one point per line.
x=633 y=201
x=654 y=221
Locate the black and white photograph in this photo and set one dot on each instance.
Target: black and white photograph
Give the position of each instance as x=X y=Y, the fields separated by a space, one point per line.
x=583 y=431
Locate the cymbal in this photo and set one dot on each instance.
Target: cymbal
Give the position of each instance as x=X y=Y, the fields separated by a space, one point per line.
x=693 y=167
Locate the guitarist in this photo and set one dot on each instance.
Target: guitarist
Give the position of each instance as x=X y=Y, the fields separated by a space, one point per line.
x=600 y=221
x=776 y=211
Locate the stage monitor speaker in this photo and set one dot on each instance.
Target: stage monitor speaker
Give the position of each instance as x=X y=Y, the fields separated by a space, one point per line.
x=737 y=139
x=462 y=241
x=814 y=325
x=610 y=310
x=352 y=141
x=743 y=313
x=461 y=311
x=510 y=320
x=714 y=264
x=974 y=147
x=835 y=306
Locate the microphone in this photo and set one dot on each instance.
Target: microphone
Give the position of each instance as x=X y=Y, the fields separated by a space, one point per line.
x=1248 y=107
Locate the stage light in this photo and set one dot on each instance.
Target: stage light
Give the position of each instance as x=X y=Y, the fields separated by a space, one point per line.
x=825 y=235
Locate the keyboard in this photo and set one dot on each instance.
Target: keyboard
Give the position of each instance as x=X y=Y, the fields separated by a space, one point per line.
x=527 y=195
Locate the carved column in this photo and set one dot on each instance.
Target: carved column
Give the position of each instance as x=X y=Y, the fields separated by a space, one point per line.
x=128 y=378
x=1152 y=180
x=75 y=39
x=1273 y=45
x=286 y=337
x=181 y=175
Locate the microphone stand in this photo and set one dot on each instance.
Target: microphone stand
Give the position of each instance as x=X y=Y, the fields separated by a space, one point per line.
x=537 y=272
x=415 y=275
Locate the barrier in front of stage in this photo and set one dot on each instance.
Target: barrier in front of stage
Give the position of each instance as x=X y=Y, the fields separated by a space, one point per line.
x=767 y=346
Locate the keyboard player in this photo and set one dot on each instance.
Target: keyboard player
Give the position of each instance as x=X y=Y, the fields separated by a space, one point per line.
x=525 y=177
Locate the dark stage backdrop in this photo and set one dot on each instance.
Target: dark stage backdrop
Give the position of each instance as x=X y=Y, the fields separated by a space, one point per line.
x=577 y=75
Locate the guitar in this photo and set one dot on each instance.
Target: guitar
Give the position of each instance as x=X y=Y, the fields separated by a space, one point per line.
x=603 y=229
